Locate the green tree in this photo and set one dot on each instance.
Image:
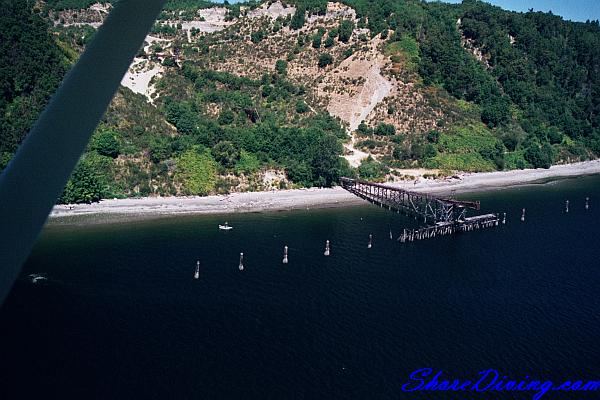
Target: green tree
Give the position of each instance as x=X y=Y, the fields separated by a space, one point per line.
x=298 y=18
x=257 y=36
x=300 y=172
x=106 y=143
x=226 y=153
x=385 y=130
x=82 y=187
x=248 y=163
x=345 y=31
x=539 y=156
x=226 y=117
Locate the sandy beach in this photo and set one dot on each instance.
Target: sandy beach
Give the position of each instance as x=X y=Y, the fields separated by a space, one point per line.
x=312 y=198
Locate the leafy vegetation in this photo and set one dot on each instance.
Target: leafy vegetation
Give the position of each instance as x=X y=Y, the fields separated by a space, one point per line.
x=511 y=90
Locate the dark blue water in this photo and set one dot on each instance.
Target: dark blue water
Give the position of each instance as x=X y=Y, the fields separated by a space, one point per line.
x=120 y=316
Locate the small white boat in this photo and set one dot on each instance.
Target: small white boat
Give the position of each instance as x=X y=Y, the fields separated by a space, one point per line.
x=197 y=273
x=37 y=278
x=225 y=227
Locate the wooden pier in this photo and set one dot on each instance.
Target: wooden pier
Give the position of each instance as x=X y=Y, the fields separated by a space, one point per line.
x=449 y=228
x=442 y=215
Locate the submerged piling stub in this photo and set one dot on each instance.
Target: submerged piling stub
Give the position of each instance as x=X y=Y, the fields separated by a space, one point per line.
x=241 y=267
x=523 y=216
x=587 y=203
x=327 y=252
x=285 y=254
x=567 y=206
x=370 y=241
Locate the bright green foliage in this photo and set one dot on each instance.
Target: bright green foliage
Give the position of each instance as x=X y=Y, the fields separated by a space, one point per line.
x=515 y=160
x=106 y=143
x=474 y=144
x=248 y=163
x=370 y=169
x=197 y=171
x=466 y=140
x=469 y=162
x=406 y=51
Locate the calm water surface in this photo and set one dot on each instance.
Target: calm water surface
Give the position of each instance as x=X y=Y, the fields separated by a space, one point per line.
x=120 y=316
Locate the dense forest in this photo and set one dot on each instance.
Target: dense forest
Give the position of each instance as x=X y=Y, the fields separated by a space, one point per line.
x=527 y=86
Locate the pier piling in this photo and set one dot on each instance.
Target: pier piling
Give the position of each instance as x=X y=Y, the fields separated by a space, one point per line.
x=285 y=254
x=241 y=267
x=327 y=252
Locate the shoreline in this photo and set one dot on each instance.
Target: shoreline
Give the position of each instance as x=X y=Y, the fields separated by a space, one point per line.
x=287 y=200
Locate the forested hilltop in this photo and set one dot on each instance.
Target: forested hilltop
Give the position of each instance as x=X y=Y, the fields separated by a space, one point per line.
x=296 y=93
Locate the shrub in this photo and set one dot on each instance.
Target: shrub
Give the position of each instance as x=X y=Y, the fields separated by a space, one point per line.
x=325 y=59
x=257 y=37
x=281 y=67
x=372 y=170
x=301 y=107
x=385 y=130
x=316 y=43
x=329 y=42
x=247 y=164
x=433 y=136
x=197 y=171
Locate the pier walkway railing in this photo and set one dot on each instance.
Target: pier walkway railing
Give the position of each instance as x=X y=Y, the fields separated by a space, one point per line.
x=432 y=209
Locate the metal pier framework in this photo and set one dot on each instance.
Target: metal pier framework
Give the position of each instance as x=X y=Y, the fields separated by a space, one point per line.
x=444 y=215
